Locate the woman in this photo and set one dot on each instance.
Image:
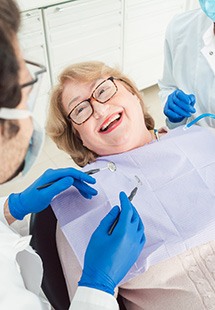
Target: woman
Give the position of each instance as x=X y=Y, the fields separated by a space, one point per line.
x=67 y=134
x=97 y=115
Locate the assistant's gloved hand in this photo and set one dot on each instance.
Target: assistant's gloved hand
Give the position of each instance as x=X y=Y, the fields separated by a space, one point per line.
x=108 y=258
x=179 y=105
x=33 y=200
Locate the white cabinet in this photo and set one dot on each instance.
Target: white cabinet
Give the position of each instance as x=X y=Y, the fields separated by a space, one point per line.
x=84 y=30
x=34 y=47
x=124 y=33
x=145 y=25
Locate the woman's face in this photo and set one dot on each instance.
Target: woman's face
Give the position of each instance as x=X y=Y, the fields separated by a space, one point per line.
x=115 y=126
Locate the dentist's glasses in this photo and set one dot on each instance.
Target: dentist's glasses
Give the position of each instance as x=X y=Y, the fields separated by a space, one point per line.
x=102 y=93
x=31 y=87
x=36 y=70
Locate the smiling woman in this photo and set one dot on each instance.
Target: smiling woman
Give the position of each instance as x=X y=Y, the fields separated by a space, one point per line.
x=93 y=111
x=98 y=116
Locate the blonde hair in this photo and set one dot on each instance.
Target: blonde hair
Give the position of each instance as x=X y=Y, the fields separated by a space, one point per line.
x=60 y=128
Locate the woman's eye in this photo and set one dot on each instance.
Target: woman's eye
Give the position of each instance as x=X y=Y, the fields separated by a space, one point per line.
x=101 y=91
x=79 y=110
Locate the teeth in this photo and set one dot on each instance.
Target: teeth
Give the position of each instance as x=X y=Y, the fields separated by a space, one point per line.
x=110 y=121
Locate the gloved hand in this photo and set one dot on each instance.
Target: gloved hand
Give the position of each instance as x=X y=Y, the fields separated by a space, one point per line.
x=179 y=105
x=33 y=200
x=108 y=258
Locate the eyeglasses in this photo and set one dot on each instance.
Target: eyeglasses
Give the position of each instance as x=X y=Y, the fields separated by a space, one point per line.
x=102 y=93
x=36 y=71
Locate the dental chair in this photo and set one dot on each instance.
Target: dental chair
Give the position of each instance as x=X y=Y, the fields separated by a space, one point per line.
x=43 y=230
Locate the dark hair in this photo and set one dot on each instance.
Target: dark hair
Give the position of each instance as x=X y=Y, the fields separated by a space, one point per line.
x=9 y=85
x=10 y=92
x=10 y=15
x=9 y=79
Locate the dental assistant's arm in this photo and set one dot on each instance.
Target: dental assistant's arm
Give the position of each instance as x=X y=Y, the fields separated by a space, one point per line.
x=168 y=84
x=177 y=104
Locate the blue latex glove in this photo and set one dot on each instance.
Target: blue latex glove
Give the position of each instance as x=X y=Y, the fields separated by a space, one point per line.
x=179 y=106
x=33 y=200
x=108 y=258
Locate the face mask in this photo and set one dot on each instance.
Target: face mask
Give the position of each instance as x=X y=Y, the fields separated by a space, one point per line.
x=208 y=6
x=34 y=150
x=35 y=147
x=37 y=139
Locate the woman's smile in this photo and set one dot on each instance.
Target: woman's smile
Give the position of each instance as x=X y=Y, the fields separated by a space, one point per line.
x=111 y=123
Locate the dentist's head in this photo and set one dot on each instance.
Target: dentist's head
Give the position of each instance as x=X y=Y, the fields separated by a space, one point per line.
x=16 y=84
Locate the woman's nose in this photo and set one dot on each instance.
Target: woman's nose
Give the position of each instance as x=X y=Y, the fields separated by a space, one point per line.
x=100 y=109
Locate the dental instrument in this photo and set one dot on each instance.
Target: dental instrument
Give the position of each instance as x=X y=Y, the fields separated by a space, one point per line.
x=110 y=166
x=130 y=197
x=188 y=125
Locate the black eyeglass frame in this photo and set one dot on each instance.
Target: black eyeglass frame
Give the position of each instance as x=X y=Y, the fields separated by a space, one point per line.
x=42 y=69
x=111 y=78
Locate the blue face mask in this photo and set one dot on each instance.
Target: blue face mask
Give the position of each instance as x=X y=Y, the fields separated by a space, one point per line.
x=35 y=144
x=208 y=6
